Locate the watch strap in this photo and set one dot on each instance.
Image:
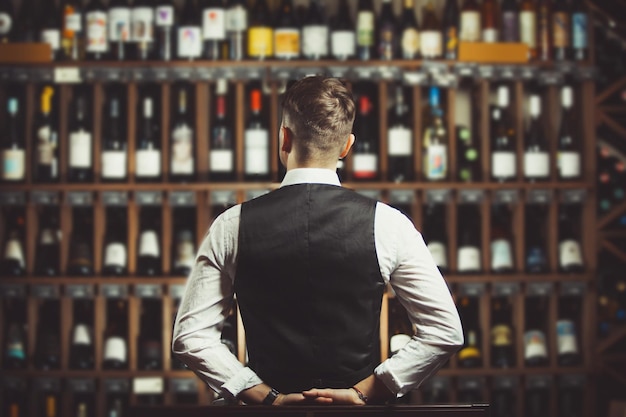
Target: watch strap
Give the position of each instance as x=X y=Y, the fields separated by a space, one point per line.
x=271 y=397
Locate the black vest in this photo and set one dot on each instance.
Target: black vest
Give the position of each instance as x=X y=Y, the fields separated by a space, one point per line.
x=309 y=287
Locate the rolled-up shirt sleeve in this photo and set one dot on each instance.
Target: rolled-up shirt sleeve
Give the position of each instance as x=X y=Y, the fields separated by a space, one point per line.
x=407 y=264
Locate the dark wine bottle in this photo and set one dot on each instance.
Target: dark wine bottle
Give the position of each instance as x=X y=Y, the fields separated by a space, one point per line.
x=387 y=33
x=189 y=42
x=450 y=24
x=119 y=18
x=503 y=151
x=184 y=247
x=115 y=352
x=150 y=335
x=222 y=152
x=535 y=341
x=561 y=30
x=256 y=141
x=435 y=139
x=142 y=29
x=236 y=28
x=46 y=154
x=48 y=249
x=502 y=255
x=570 y=251
x=502 y=346
x=535 y=238
x=80 y=158
x=48 y=342
x=365 y=24
x=434 y=232
x=96 y=31
x=365 y=159
x=81 y=345
x=115 y=259
x=114 y=146
x=80 y=261
x=148 y=149
x=12 y=146
x=315 y=32
x=15 y=347
x=470 y=355
x=431 y=39
x=214 y=29
x=400 y=140
x=182 y=159
x=342 y=34
x=286 y=32
x=260 y=32
x=149 y=246
x=569 y=150
x=164 y=28
x=569 y=316
x=50 y=28
x=13 y=262
x=72 y=37
x=580 y=29
x=469 y=258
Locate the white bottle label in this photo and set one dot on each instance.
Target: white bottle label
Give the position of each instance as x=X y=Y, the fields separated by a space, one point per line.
x=115 y=254
x=97 y=32
x=490 y=35
x=114 y=164
x=189 y=42
x=115 y=349
x=365 y=165
x=236 y=19
x=214 y=24
x=535 y=345
x=410 y=42
x=149 y=244
x=566 y=337
x=569 y=164
x=80 y=149
x=52 y=37
x=528 y=28
x=13 y=164
x=257 y=152
x=436 y=162
x=470 y=27
x=185 y=255
x=82 y=335
x=182 y=147
x=315 y=40
x=164 y=16
x=74 y=22
x=468 y=258
x=503 y=164
x=148 y=162
x=221 y=160
x=439 y=253
x=536 y=164
x=431 y=44
x=142 y=24
x=365 y=28
x=570 y=253
x=119 y=24
x=5 y=23
x=343 y=44
x=400 y=141
x=14 y=251
x=501 y=254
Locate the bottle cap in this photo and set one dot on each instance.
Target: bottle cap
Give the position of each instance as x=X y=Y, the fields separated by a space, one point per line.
x=115 y=349
x=12 y=106
x=567 y=96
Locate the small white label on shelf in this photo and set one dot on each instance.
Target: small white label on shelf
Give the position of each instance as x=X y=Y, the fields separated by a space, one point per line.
x=67 y=75
x=148 y=385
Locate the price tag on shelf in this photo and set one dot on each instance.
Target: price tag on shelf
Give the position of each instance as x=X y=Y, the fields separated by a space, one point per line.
x=389 y=73
x=229 y=73
x=572 y=381
x=45 y=198
x=181 y=73
x=505 y=289
x=111 y=74
x=43 y=75
x=148 y=385
x=540 y=289
x=471 y=383
x=415 y=77
x=472 y=289
x=183 y=385
x=252 y=73
x=551 y=78
x=573 y=289
x=115 y=198
x=565 y=68
x=47 y=384
x=138 y=74
x=79 y=198
x=506 y=196
x=157 y=74
x=438 y=196
x=176 y=291
x=486 y=72
x=45 y=291
x=538 y=381
x=283 y=73
x=182 y=198
x=470 y=196
x=402 y=197
x=148 y=291
x=465 y=70
x=339 y=72
x=12 y=290
x=67 y=75
x=80 y=291
x=205 y=73
x=528 y=72
x=505 y=382
x=82 y=385
x=116 y=385
x=222 y=198
x=364 y=73
x=114 y=290
x=148 y=198
x=12 y=198
x=507 y=73
x=573 y=196
x=539 y=197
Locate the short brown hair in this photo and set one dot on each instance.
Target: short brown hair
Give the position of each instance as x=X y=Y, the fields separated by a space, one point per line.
x=320 y=112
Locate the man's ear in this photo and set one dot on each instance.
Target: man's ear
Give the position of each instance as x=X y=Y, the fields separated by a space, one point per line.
x=348 y=145
x=287 y=139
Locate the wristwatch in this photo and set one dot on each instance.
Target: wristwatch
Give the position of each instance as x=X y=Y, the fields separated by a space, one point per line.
x=271 y=397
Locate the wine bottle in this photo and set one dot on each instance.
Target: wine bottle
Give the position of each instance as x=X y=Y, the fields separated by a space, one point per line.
x=80 y=261
x=365 y=159
x=365 y=23
x=96 y=25
x=528 y=26
x=13 y=148
x=256 y=141
x=27 y=21
x=561 y=30
x=189 y=45
x=315 y=33
x=502 y=257
x=342 y=34
x=142 y=29
x=164 y=16
x=387 y=36
x=115 y=256
x=213 y=28
x=544 y=30
x=489 y=19
x=536 y=258
x=15 y=341
x=569 y=151
x=400 y=140
x=80 y=165
x=469 y=258
x=571 y=400
x=569 y=316
x=81 y=346
x=286 y=33
x=409 y=32
x=7 y=21
x=13 y=262
x=468 y=155
x=431 y=37
x=236 y=27
x=50 y=28
x=72 y=35
x=580 y=28
x=535 y=343
x=260 y=32
x=48 y=249
x=184 y=247
x=502 y=346
x=570 y=252
x=150 y=335
x=14 y=400
x=46 y=153
x=182 y=162
x=434 y=233
x=114 y=149
x=503 y=152
x=222 y=152
x=435 y=140
x=149 y=246
x=470 y=355
x=536 y=154
x=510 y=21
x=147 y=152
x=48 y=343
x=471 y=25
x=119 y=29
x=450 y=22
x=115 y=352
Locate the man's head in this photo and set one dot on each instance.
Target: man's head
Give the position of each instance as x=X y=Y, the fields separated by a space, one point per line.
x=316 y=130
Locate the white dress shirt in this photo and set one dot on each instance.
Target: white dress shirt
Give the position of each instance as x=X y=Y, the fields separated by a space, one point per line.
x=405 y=263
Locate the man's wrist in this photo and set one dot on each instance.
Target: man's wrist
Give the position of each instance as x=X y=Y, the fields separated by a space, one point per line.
x=271 y=397
x=360 y=394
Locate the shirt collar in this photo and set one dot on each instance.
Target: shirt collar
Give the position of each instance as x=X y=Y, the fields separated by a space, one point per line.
x=310 y=175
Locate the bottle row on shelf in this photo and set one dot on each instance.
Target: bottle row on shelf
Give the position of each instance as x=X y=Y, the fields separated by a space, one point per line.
x=500 y=134
x=214 y=30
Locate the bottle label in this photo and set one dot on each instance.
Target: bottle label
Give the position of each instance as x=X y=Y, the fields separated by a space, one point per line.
x=315 y=41
x=365 y=29
x=510 y=27
x=5 y=23
x=468 y=259
x=142 y=26
x=221 y=160
x=47 y=237
x=82 y=335
x=97 y=32
x=13 y=250
x=115 y=349
x=114 y=164
x=73 y=23
x=503 y=164
x=431 y=44
x=386 y=42
x=561 y=30
x=13 y=164
x=149 y=244
x=119 y=24
x=569 y=164
x=185 y=254
x=528 y=28
x=501 y=254
x=236 y=19
x=260 y=42
x=570 y=253
x=439 y=253
x=80 y=150
x=566 y=337
x=343 y=44
x=256 y=152
x=189 y=42
x=535 y=345
x=15 y=350
x=536 y=257
x=579 y=31
x=182 y=148
x=365 y=166
x=287 y=43
x=148 y=162
x=164 y=16
x=501 y=335
x=115 y=254
x=52 y=37
x=490 y=35
x=410 y=43
x=400 y=142
x=470 y=26
x=536 y=164
x=436 y=162
x=214 y=24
